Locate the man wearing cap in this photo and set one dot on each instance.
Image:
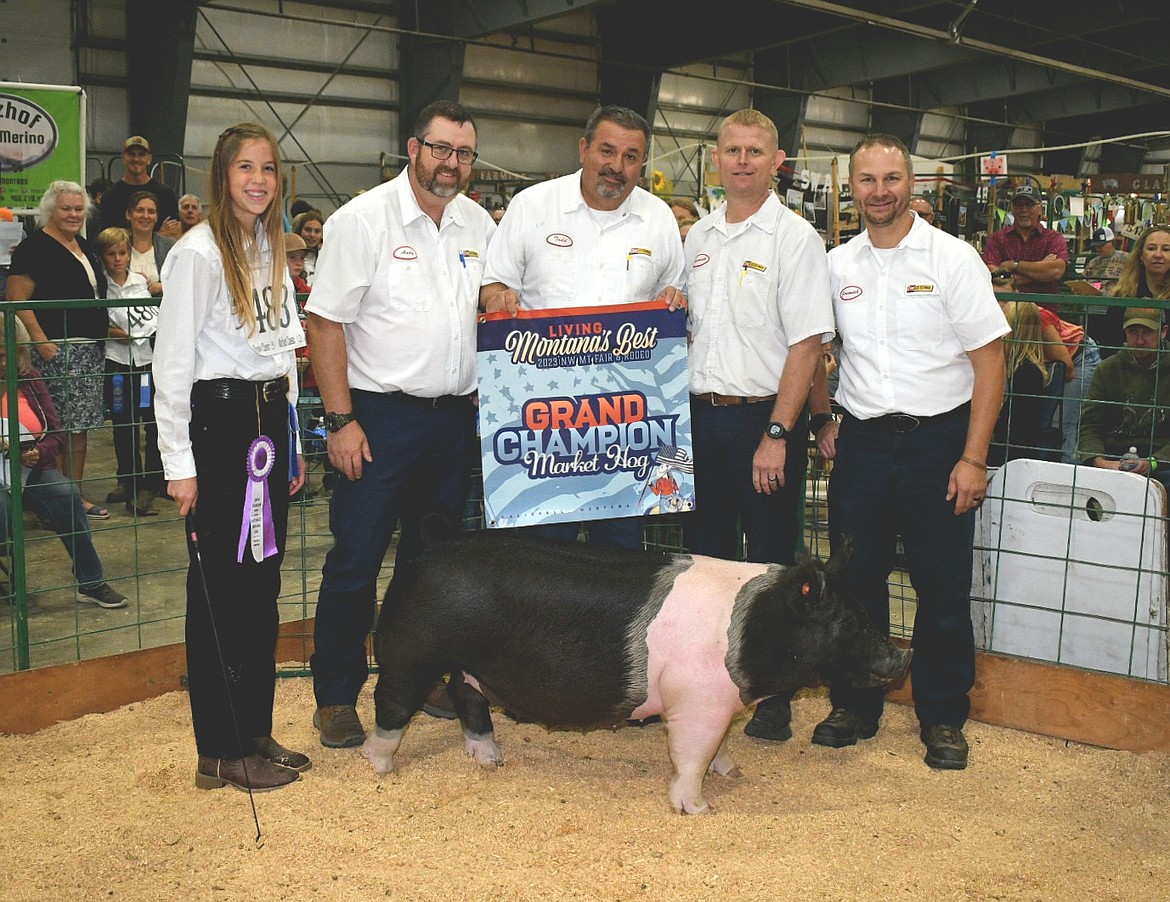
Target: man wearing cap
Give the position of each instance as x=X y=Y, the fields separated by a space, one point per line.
x=1128 y=400
x=1107 y=266
x=1036 y=257
x=136 y=157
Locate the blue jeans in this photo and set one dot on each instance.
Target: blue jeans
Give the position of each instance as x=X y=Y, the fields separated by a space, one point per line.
x=725 y=441
x=1086 y=361
x=885 y=484
x=56 y=498
x=422 y=463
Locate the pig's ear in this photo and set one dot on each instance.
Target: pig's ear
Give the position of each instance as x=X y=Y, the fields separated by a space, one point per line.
x=835 y=566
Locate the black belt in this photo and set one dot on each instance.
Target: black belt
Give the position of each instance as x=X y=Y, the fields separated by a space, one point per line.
x=242 y=389
x=717 y=400
x=442 y=402
x=903 y=423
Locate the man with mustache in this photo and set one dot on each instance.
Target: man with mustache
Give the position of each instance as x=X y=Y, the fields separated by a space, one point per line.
x=391 y=323
x=589 y=239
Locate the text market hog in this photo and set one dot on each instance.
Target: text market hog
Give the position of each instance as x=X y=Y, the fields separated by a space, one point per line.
x=574 y=636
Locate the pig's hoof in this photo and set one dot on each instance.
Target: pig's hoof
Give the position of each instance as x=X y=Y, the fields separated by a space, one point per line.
x=382 y=759
x=695 y=806
x=729 y=770
x=484 y=751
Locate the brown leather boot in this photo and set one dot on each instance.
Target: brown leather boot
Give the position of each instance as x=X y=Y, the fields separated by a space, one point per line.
x=267 y=747
x=262 y=774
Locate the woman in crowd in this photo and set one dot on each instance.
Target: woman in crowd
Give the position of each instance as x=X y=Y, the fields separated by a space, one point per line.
x=49 y=494
x=55 y=263
x=148 y=249
x=311 y=227
x=1147 y=272
x=1018 y=430
x=225 y=373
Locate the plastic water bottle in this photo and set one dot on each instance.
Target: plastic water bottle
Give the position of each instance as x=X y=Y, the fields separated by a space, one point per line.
x=1129 y=460
x=118 y=401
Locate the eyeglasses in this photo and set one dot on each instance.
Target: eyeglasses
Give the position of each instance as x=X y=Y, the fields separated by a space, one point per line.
x=442 y=152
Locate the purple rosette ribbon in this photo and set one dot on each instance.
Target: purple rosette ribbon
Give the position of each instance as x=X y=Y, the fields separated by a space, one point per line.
x=256 y=529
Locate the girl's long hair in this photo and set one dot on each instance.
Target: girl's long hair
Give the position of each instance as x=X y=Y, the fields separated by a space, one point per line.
x=1132 y=282
x=239 y=249
x=1026 y=343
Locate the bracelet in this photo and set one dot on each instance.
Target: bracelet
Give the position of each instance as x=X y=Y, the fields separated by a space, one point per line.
x=1016 y=267
x=1153 y=463
x=965 y=459
x=819 y=421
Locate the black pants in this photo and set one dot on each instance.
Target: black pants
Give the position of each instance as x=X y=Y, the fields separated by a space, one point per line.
x=232 y=627
x=127 y=412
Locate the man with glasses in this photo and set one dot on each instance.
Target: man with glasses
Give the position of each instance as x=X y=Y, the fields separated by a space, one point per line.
x=590 y=239
x=391 y=323
x=1034 y=256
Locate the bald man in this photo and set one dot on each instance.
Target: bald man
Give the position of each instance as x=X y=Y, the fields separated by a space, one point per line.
x=922 y=207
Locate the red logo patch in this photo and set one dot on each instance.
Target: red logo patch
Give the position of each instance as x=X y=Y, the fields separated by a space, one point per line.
x=850 y=292
x=559 y=239
x=405 y=252
x=700 y=260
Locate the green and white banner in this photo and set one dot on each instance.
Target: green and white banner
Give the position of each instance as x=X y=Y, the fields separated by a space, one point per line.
x=42 y=139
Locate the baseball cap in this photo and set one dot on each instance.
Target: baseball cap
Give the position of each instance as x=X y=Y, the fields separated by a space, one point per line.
x=136 y=141
x=1027 y=192
x=1101 y=236
x=1149 y=317
x=294 y=242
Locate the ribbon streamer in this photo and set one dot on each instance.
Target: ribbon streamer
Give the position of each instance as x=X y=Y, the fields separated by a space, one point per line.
x=256 y=529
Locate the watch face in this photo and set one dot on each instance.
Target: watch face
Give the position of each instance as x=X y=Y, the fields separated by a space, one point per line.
x=776 y=430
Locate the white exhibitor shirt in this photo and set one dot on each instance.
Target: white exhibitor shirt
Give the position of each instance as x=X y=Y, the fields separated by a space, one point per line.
x=199 y=337
x=139 y=322
x=556 y=252
x=907 y=319
x=406 y=289
x=754 y=289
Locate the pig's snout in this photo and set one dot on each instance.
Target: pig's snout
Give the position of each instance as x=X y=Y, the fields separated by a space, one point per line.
x=889 y=663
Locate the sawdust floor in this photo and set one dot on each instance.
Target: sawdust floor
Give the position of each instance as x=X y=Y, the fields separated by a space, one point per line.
x=105 y=807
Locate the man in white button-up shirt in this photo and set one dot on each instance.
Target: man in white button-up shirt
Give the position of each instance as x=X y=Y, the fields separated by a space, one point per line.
x=392 y=322
x=922 y=379
x=758 y=287
x=590 y=239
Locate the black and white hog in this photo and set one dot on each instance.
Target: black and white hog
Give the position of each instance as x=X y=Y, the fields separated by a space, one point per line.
x=574 y=636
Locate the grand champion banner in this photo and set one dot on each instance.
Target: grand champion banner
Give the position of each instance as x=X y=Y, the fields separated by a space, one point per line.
x=584 y=414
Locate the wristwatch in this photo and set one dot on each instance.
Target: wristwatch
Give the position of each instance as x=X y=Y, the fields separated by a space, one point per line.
x=778 y=431
x=335 y=422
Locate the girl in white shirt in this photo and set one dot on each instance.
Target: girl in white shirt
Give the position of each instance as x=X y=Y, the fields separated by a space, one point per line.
x=225 y=375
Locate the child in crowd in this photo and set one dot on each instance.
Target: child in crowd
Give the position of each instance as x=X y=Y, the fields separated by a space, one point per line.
x=129 y=385
x=295 y=251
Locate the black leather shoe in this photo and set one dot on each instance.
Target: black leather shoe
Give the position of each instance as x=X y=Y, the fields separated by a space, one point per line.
x=772 y=720
x=340 y=726
x=253 y=771
x=269 y=748
x=842 y=728
x=946 y=747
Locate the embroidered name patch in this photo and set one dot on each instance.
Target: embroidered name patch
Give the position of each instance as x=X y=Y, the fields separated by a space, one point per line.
x=919 y=289
x=559 y=239
x=753 y=265
x=850 y=292
x=405 y=252
x=469 y=254
x=700 y=260
x=639 y=252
